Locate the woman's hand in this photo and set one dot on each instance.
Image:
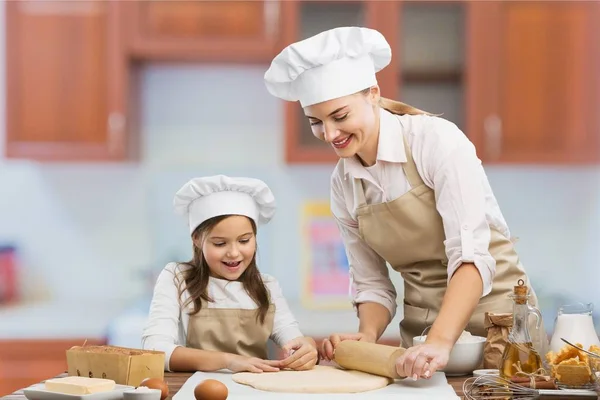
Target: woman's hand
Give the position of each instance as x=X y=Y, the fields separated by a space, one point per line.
x=237 y=363
x=328 y=346
x=423 y=360
x=300 y=354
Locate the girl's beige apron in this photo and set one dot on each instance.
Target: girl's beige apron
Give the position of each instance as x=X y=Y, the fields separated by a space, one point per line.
x=408 y=233
x=230 y=330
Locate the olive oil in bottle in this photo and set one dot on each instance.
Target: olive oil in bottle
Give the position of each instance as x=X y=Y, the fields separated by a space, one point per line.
x=519 y=353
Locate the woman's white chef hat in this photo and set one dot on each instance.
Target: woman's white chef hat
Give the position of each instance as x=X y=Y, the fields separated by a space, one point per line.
x=331 y=64
x=207 y=197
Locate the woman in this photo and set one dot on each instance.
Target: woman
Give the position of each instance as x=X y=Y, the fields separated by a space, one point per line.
x=408 y=189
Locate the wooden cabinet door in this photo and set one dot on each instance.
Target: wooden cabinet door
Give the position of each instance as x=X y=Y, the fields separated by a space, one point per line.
x=533 y=91
x=65 y=81
x=24 y=362
x=203 y=30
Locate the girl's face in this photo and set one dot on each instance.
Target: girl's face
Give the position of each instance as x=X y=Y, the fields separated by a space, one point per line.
x=229 y=247
x=349 y=123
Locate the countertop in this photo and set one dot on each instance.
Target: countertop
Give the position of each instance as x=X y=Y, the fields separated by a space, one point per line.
x=176 y=380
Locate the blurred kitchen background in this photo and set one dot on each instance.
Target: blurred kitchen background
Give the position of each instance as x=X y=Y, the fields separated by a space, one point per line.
x=107 y=108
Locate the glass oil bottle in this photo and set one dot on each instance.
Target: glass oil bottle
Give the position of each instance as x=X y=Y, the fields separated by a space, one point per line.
x=519 y=353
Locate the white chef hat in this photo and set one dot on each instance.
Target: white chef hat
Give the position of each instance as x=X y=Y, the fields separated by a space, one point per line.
x=207 y=197
x=331 y=64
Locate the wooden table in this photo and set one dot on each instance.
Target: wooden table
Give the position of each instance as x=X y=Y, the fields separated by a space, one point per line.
x=175 y=381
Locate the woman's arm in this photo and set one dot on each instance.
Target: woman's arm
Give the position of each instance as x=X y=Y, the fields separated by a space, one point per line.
x=461 y=298
x=448 y=163
x=459 y=181
x=374 y=291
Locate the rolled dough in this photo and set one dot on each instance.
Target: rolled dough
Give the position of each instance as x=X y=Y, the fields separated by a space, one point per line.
x=320 y=379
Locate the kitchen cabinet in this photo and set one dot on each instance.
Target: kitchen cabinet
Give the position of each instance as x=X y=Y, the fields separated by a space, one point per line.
x=25 y=362
x=66 y=81
x=534 y=85
x=519 y=78
x=221 y=31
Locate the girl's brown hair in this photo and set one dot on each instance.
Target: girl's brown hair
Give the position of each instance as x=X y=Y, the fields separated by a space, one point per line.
x=195 y=278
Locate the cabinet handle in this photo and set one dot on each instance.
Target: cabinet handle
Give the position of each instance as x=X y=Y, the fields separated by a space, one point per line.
x=271 y=14
x=116 y=126
x=492 y=126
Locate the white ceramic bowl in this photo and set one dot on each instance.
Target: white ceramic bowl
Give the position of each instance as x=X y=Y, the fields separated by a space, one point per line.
x=142 y=393
x=465 y=357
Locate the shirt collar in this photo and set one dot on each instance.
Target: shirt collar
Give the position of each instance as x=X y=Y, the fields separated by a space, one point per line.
x=390 y=146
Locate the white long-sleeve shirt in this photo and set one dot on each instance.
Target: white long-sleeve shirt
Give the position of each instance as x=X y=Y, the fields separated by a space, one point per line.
x=167 y=324
x=447 y=162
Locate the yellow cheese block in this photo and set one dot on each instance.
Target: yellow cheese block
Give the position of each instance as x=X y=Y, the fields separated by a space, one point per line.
x=79 y=385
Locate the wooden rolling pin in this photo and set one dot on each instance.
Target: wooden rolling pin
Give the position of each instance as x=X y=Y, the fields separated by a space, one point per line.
x=376 y=359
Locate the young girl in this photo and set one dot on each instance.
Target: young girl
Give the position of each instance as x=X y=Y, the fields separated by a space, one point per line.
x=217 y=311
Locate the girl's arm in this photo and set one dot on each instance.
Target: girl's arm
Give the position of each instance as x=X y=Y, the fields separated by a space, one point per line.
x=161 y=332
x=285 y=326
x=187 y=359
x=300 y=351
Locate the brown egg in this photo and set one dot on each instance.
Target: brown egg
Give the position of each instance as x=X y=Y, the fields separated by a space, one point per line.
x=211 y=389
x=156 y=383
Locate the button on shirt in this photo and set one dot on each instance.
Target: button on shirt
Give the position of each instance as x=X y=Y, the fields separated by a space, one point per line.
x=447 y=162
x=167 y=325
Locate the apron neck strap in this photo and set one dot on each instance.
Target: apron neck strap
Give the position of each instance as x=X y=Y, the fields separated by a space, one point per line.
x=410 y=170
x=409 y=167
x=359 y=193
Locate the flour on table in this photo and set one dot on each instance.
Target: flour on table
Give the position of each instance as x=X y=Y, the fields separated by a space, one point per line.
x=320 y=379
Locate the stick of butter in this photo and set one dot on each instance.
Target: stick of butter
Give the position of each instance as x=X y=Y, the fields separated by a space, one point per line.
x=79 y=385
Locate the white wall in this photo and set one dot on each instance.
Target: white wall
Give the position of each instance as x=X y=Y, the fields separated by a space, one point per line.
x=85 y=229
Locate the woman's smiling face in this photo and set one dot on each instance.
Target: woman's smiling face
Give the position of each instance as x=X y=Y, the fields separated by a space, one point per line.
x=349 y=123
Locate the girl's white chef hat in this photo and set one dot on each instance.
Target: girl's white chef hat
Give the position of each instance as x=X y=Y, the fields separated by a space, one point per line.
x=331 y=64
x=207 y=197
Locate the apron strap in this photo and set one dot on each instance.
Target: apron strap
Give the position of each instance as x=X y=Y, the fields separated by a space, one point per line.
x=409 y=167
x=410 y=170
x=359 y=193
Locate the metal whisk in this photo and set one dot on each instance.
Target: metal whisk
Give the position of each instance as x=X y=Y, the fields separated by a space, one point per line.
x=488 y=387
x=496 y=388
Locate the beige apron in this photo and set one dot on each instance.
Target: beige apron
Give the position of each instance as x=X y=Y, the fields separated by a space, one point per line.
x=230 y=330
x=408 y=233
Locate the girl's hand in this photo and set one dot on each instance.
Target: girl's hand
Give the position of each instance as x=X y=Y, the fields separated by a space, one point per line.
x=423 y=360
x=237 y=363
x=301 y=354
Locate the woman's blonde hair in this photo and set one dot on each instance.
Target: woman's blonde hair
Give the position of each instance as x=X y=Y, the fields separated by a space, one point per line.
x=397 y=107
